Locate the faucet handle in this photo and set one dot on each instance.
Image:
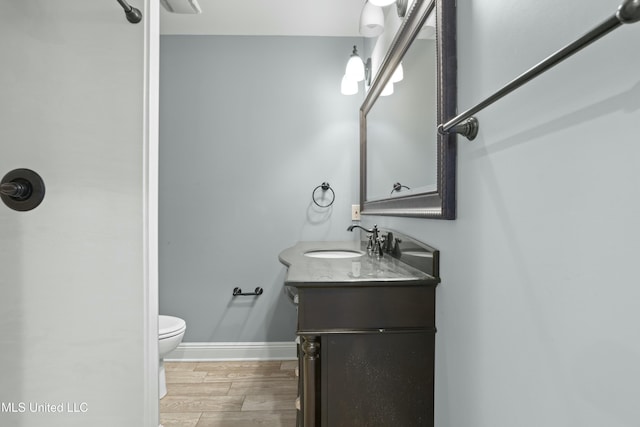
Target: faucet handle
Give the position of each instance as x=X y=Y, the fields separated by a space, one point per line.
x=369 y=244
x=388 y=242
x=379 y=244
x=396 y=246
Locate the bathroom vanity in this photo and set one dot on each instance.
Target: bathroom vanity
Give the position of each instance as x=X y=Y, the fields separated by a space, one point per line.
x=367 y=331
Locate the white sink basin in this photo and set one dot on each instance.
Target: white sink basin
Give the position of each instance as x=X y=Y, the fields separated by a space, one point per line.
x=333 y=253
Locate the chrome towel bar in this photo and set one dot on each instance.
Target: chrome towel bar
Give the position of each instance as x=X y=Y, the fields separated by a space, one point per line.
x=238 y=292
x=467 y=125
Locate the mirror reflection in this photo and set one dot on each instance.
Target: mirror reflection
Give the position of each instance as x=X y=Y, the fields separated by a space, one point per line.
x=407 y=168
x=401 y=128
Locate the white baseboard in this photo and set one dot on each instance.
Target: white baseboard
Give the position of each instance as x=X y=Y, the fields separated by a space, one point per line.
x=221 y=351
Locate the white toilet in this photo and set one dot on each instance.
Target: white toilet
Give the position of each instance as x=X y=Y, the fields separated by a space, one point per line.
x=170 y=332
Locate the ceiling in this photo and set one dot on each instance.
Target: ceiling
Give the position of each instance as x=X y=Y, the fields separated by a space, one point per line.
x=268 y=17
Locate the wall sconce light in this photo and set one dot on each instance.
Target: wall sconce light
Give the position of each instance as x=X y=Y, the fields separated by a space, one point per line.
x=348 y=86
x=352 y=75
x=428 y=30
x=398 y=74
x=371 y=20
x=371 y=25
x=388 y=89
x=355 y=72
x=355 y=67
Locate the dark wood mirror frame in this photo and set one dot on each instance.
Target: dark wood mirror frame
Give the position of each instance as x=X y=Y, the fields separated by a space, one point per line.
x=441 y=203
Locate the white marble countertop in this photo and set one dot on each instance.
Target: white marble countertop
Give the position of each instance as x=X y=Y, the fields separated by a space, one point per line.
x=304 y=271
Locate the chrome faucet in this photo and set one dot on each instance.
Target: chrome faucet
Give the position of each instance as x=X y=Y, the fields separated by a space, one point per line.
x=375 y=241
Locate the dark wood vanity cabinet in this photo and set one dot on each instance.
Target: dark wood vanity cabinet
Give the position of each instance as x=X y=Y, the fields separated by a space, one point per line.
x=367 y=355
x=366 y=327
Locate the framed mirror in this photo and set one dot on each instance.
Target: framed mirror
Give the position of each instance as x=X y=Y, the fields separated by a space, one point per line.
x=407 y=168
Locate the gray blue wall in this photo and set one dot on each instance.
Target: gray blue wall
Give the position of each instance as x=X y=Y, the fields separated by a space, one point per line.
x=249 y=126
x=538 y=320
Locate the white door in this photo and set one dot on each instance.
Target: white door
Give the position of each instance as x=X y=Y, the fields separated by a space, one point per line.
x=74 y=272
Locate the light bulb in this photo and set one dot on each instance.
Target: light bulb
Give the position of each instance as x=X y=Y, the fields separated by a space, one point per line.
x=388 y=89
x=355 y=67
x=398 y=74
x=348 y=86
x=371 y=20
x=382 y=2
x=428 y=30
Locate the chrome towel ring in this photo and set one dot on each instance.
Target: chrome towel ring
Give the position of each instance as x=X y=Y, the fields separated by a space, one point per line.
x=325 y=187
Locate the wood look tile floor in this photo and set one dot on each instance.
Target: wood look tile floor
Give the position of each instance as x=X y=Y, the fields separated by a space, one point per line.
x=230 y=394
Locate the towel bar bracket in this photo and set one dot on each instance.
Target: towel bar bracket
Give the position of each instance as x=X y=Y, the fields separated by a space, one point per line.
x=468 y=128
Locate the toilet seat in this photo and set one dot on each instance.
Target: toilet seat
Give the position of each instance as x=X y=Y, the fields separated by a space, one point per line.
x=169 y=326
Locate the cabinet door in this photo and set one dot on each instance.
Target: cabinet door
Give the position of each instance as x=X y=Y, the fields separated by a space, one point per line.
x=382 y=379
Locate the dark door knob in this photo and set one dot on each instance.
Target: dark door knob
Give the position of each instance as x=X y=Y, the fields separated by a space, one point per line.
x=22 y=189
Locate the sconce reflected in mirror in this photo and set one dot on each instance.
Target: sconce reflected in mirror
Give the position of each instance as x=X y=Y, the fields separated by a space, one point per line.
x=398 y=74
x=355 y=72
x=355 y=67
x=428 y=30
x=372 y=21
x=396 y=77
x=388 y=89
x=348 y=86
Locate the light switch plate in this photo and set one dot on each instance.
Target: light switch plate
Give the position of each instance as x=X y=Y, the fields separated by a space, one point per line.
x=355 y=212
